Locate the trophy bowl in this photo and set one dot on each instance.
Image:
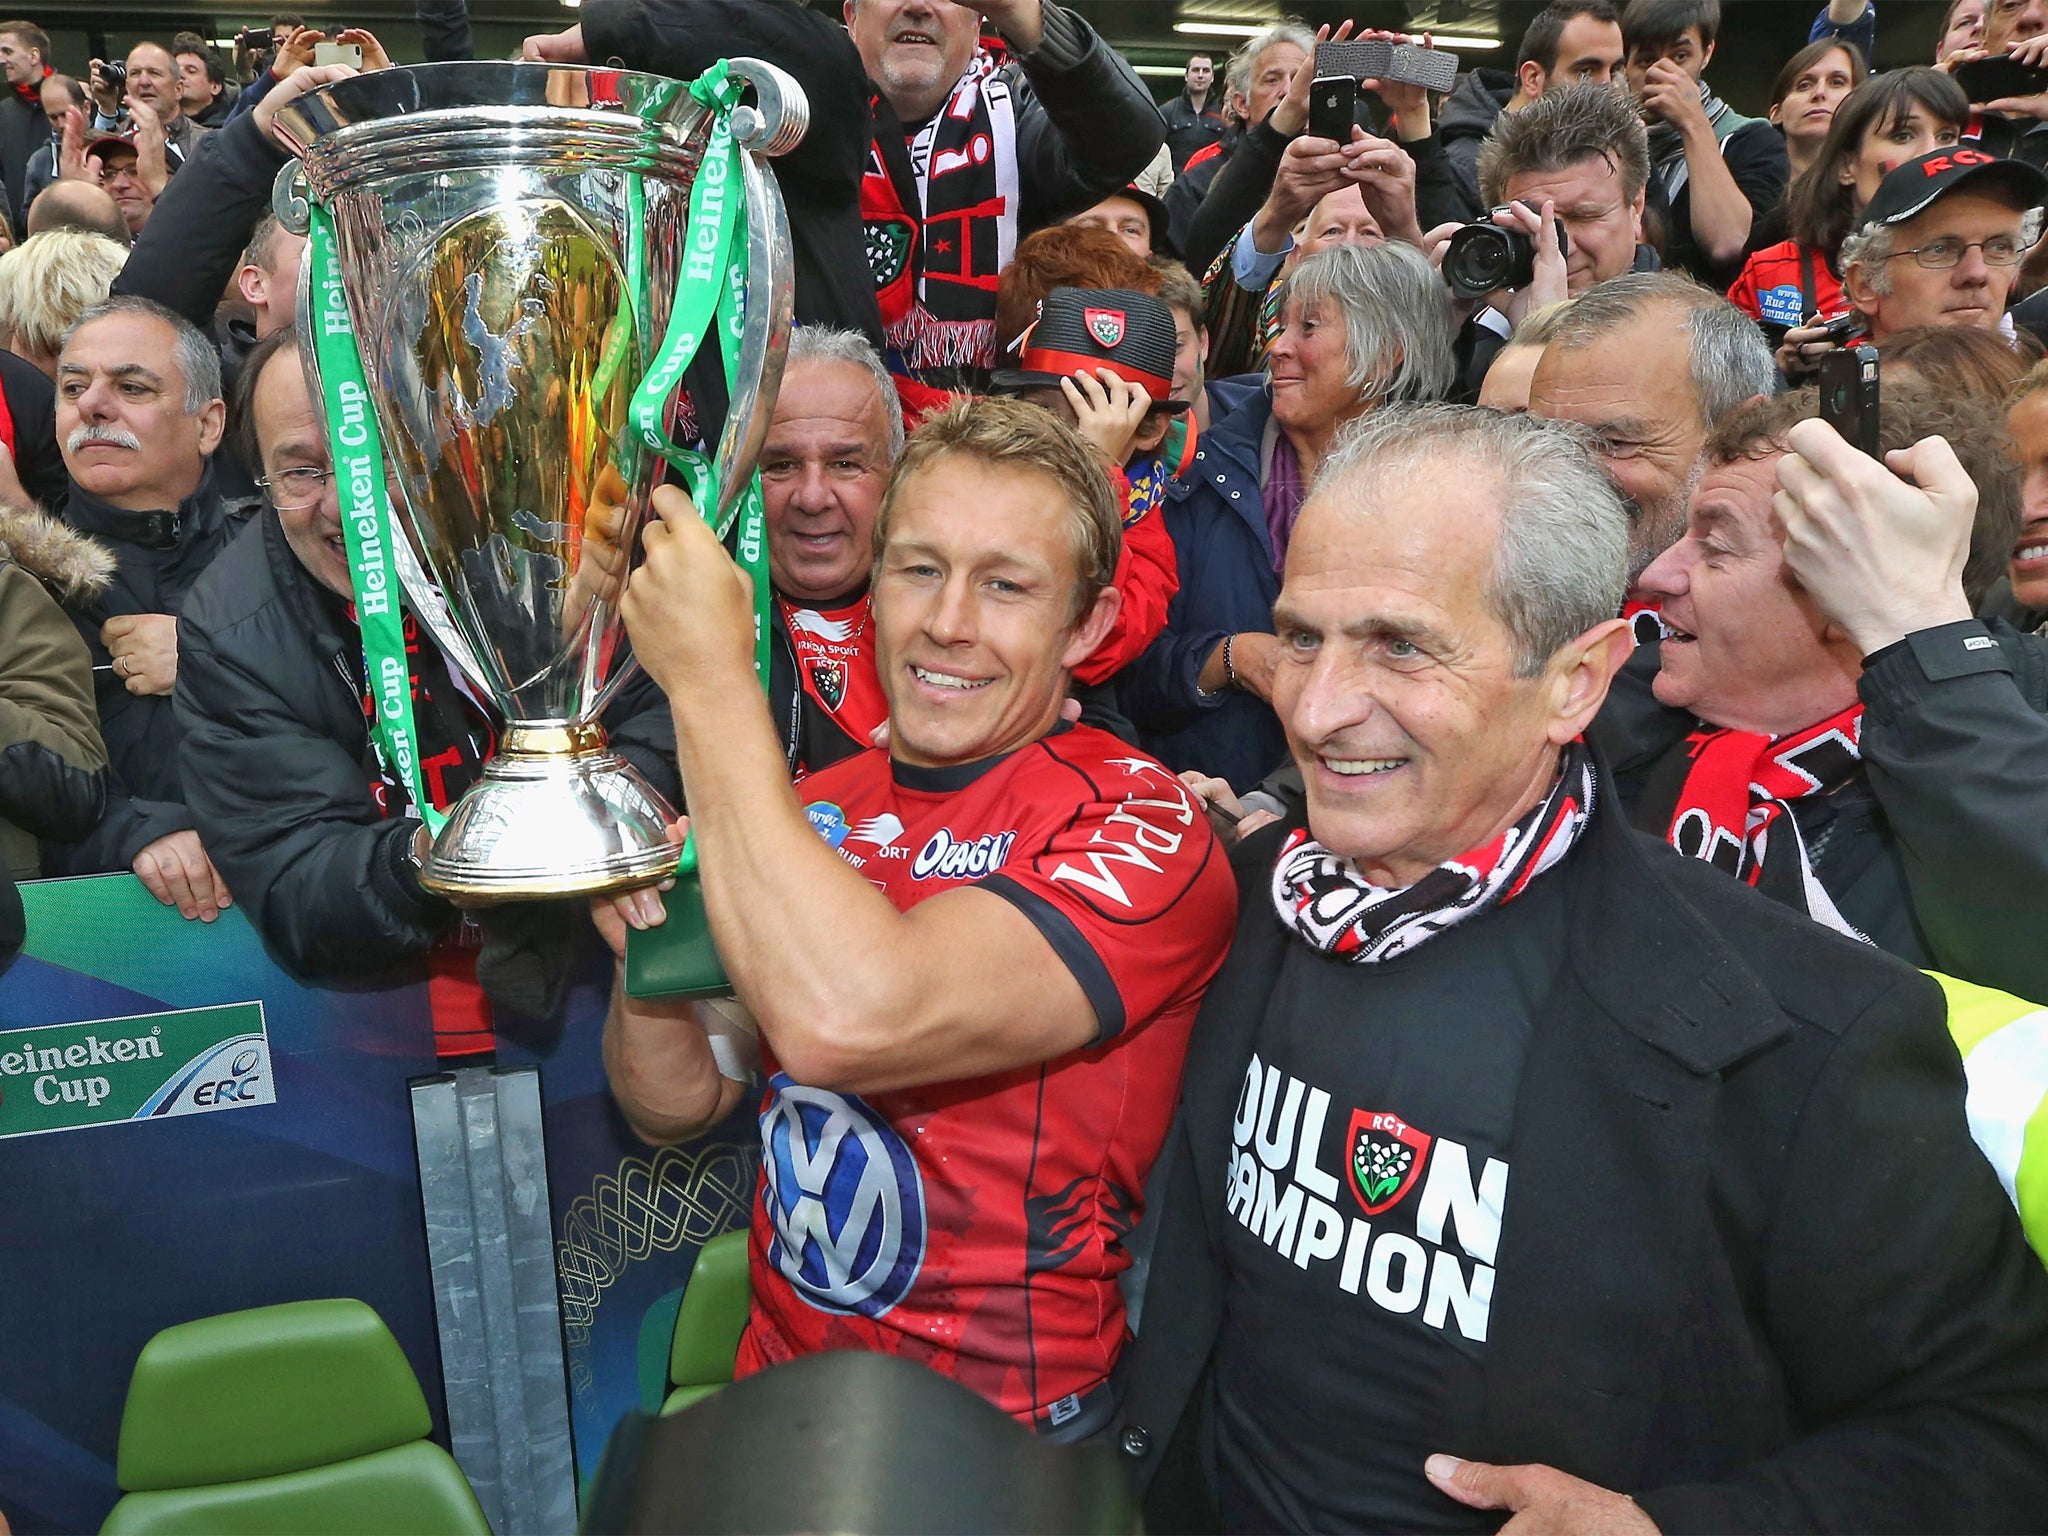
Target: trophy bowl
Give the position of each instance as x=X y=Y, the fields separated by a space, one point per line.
x=509 y=239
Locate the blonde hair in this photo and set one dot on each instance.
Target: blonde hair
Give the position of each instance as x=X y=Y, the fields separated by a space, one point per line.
x=49 y=280
x=1015 y=434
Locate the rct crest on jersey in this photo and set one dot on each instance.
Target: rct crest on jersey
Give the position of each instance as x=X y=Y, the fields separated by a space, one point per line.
x=1386 y=1156
x=845 y=1198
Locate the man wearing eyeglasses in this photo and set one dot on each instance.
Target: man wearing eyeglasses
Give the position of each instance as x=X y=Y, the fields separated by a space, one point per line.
x=314 y=832
x=1942 y=242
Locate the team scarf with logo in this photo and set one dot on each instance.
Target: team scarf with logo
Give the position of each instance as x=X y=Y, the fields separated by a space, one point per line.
x=835 y=662
x=939 y=208
x=1737 y=790
x=1336 y=911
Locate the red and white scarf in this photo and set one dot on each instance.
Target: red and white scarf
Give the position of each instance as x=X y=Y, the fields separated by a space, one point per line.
x=1739 y=790
x=1334 y=909
x=939 y=206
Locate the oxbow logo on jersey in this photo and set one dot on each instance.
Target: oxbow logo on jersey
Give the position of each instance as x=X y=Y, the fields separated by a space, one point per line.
x=191 y=1061
x=1431 y=1255
x=845 y=1199
x=946 y=858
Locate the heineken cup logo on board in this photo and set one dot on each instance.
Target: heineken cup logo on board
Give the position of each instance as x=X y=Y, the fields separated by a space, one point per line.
x=60 y=1077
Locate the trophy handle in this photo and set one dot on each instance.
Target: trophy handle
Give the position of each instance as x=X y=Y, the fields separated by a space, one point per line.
x=772 y=127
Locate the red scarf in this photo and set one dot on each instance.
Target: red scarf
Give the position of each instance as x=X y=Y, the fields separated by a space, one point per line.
x=835 y=663
x=1335 y=910
x=1742 y=783
x=31 y=92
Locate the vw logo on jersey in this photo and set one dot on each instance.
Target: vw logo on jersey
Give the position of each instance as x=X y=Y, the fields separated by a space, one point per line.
x=845 y=1199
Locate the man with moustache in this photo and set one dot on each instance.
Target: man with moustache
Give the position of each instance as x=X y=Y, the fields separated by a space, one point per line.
x=139 y=416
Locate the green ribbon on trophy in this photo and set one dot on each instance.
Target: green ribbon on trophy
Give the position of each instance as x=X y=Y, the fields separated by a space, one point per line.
x=358 y=452
x=709 y=295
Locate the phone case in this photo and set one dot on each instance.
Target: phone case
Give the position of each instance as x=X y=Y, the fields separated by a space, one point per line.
x=678 y=958
x=1367 y=58
x=1434 y=69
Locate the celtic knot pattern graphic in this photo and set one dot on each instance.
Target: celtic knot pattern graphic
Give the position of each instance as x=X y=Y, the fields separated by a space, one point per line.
x=683 y=1195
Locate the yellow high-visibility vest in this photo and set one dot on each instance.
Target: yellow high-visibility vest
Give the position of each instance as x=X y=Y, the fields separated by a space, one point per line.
x=2004 y=1043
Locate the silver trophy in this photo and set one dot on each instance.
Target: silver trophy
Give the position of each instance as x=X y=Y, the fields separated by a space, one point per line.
x=510 y=237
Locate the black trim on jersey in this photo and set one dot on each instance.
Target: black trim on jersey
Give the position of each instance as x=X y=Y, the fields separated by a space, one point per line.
x=1074 y=950
x=945 y=781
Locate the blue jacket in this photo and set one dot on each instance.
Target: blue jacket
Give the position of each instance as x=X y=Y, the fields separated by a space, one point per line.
x=1227 y=586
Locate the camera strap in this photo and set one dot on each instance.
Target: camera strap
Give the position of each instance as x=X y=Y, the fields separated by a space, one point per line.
x=357 y=448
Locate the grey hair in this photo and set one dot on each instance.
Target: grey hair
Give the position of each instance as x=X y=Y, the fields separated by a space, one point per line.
x=197 y=360
x=1560 y=563
x=1237 y=77
x=1871 y=248
x=1561 y=128
x=829 y=344
x=1398 y=335
x=1731 y=362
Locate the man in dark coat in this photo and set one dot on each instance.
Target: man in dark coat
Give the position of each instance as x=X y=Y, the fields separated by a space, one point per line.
x=319 y=841
x=1610 y=1217
x=139 y=416
x=25 y=61
x=1194 y=118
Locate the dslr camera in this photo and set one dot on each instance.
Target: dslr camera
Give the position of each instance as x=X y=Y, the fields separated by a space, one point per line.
x=1484 y=256
x=114 y=75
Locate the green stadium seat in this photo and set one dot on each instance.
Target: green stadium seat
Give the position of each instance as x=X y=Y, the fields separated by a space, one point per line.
x=300 y=1418
x=708 y=1324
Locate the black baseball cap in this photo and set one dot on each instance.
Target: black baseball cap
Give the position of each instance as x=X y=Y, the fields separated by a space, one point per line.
x=1129 y=333
x=1920 y=183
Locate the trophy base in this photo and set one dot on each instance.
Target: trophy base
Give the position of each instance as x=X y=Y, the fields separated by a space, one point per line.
x=557 y=813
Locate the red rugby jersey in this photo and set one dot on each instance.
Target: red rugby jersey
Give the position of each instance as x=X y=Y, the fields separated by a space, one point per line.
x=977 y=1226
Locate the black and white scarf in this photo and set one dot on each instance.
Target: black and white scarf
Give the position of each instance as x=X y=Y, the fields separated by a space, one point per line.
x=1335 y=910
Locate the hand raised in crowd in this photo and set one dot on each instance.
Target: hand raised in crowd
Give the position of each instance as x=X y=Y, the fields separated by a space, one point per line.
x=1548 y=285
x=1021 y=22
x=72 y=164
x=297 y=50
x=179 y=874
x=556 y=47
x=307 y=77
x=1290 y=117
x=2032 y=52
x=105 y=94
x=1672 y=96
x=1880 y=549
x=152 y=157
x=1545 y=1501
x=1108 y=412
x=1408 y=103
x=374 y=56
x=145 y=650
x=1310 y=169
x=1385 y=173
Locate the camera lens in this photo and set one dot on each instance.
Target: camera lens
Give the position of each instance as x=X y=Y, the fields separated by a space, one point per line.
x=1480 y=258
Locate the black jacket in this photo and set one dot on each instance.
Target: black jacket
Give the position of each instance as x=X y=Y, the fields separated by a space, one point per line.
x=1188 y=130
x=158 y=556
x=1938 y=849
x=1754 y=1271
x=820 y=178
x=1468 y=116
x=277 y=764
x=23 y=131
x=1190 y=190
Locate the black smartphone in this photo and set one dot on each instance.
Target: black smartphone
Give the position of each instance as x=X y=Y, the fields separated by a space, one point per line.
x=1998 y=77
x=1332 y=105
x=1848 y=397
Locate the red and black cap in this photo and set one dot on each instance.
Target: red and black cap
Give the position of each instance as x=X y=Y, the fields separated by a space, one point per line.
x=1917 y=185
x=107 y=139
x=1129 y=333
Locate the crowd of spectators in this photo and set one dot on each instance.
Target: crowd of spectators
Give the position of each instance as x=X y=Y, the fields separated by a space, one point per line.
x=1617 y=774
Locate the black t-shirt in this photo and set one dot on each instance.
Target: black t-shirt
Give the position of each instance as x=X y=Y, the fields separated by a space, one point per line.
x=1755 y=157
x=1371 y=1167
